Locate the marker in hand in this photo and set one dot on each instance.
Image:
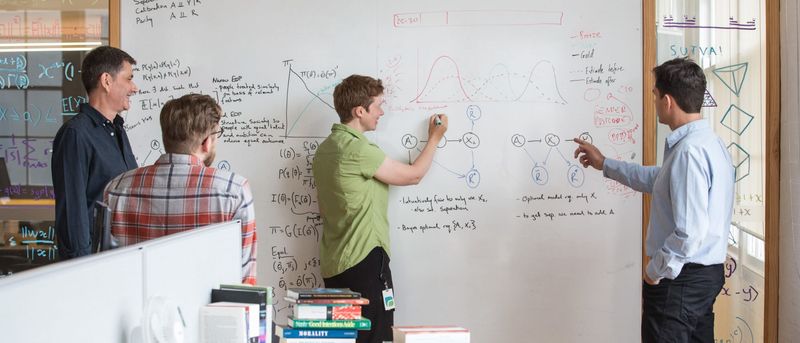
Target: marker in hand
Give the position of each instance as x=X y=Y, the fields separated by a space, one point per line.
x=437 y=120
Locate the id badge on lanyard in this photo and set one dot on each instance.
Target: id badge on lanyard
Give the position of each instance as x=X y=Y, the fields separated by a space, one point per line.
x=388 y=293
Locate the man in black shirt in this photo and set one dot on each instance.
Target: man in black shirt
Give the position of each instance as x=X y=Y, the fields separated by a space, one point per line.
x=92 y=148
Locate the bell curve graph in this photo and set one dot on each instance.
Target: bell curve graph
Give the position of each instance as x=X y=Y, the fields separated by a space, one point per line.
x=445 y=83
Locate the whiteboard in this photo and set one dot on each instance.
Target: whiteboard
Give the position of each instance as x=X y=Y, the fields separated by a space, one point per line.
x=506 y=235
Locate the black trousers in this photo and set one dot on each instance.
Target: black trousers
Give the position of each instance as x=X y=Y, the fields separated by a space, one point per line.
x=370 y=277
x=681 y=310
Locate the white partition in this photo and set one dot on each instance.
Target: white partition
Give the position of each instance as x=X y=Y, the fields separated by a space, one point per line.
x=92 y=299
x=185 y=267
x=101 y=298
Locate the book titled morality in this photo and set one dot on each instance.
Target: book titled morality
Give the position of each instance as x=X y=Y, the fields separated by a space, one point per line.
x=287 y=332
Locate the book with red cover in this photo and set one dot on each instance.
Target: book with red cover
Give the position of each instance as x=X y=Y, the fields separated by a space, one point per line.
x=329 y=312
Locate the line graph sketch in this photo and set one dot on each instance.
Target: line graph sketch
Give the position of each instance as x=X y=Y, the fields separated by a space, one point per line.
x=305 y=106
x=445 y=82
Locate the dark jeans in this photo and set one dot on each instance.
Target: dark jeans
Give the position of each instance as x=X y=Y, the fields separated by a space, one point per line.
x=367 y=277
x=681 y=310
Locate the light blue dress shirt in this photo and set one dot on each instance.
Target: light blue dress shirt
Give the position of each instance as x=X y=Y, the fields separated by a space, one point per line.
x=692 y=203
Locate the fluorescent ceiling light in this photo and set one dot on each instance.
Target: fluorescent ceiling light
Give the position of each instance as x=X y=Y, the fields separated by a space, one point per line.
x=48 y=46
x=32 y=44
x=46 y=49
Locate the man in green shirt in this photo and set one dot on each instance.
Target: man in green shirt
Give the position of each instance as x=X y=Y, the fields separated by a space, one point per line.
x=353 y=177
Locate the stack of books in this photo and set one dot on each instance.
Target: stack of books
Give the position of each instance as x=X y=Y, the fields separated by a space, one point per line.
x=323 y=315
x=261 y=297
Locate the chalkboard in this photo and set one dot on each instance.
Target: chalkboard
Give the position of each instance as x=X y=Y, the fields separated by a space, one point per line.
x=506 y=235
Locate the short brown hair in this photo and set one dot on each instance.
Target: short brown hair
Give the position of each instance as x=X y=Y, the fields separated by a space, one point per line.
x=684 y=80
x=354 y=91
x=102 y=59
x=187 y=121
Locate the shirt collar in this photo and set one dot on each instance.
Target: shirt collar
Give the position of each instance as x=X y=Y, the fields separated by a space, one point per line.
x=684 y=130
x=97 y=117
x=169 y=158
x=350 y=130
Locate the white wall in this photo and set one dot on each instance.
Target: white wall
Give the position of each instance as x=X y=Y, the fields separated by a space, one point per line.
x=789 y=293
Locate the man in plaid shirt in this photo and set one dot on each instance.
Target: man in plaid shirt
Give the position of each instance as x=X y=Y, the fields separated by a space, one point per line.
x=180 y=192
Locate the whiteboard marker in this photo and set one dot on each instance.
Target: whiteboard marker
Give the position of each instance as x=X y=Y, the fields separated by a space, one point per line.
x=437 y=121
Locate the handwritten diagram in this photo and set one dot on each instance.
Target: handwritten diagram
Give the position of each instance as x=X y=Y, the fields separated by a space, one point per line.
x=736 y=119
x=469 y=139
x=305 y=107
x=446 y=83
x=153 y=154
x=741 y=161
x=540 y=173
x=691 y=23
x=732 y=76
x=708 y=100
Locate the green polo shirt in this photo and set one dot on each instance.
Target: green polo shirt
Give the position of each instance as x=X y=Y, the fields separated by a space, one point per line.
x=353 y=203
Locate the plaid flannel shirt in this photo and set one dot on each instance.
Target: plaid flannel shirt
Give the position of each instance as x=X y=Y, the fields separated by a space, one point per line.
x=180 y=193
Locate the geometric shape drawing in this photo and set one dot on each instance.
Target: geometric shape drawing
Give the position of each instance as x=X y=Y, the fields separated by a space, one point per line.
x=732 y=76
x=736 y=119
x=741 y=161
x=445 y=83
x=708 y=100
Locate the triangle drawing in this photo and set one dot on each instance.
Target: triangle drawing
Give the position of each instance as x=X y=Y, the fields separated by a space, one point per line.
x=732 y=76
x=708 y=100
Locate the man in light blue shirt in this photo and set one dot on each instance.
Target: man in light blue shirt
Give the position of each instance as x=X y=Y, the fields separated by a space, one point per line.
x=690 y=212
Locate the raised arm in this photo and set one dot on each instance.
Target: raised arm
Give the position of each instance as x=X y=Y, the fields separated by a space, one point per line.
x=396 y=173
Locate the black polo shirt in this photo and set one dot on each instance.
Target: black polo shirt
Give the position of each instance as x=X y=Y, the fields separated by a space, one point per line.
x=88 y=151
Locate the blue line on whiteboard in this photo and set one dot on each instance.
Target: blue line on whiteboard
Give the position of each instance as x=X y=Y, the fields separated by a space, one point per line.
x=37 y=241
x=562 y=156
x=530 y=156
x=304 y=112
x=447 y=169
x=314 y=97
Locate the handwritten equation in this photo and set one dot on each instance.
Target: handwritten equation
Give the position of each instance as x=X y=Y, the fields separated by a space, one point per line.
x=150 y=13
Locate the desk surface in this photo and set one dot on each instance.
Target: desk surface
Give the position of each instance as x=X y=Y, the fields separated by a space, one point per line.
x=27 y=209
